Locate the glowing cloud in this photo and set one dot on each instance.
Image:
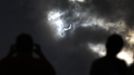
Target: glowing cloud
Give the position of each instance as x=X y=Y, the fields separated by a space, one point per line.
x=98 y=48
x=127 y=56
x=130 y=37
x=56 y=22
x=62 y=21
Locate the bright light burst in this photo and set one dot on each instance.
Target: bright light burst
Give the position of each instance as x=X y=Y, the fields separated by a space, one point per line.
x=126 y=55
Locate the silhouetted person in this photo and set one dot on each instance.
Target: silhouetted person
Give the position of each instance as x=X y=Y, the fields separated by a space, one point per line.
x=110 y=65
x=20 y=59
x=131 y=70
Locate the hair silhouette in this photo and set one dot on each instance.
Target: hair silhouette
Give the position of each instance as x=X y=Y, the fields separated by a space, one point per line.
x=23 y=47
x=114 y=45
x=110 y=65
x=20 y=59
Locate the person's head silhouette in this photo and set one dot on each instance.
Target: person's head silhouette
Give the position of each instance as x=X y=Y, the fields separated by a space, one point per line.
x=24 y=44
x=114 y=45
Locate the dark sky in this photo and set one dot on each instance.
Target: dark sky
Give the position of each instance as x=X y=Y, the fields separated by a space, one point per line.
x=69 y=55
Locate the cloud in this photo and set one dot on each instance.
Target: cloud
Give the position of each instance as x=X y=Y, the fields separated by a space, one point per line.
x=115 y=10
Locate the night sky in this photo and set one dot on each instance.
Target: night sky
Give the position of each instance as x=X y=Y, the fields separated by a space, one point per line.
x=71 y=33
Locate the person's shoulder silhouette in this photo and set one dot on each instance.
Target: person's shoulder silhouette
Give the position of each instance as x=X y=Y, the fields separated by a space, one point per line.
x=110 y=65
x=131 y=70
x=21 y=60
